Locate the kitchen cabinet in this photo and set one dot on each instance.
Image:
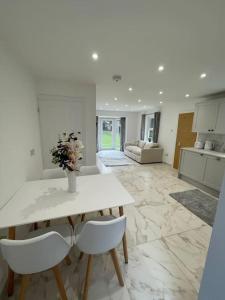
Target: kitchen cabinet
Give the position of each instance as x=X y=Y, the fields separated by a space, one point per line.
x=214 y=172
x=220 y=125
x=205 y=119
x=193 y=165
x=203 y=168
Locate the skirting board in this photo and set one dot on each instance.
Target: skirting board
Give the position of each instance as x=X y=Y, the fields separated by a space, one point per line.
x=199 y=185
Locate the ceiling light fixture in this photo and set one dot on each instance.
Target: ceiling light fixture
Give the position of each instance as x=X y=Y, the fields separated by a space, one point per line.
x=139 y=100
x=187 y=96
x=161 y=68
x=160 y=102
x=160 y=92
x=203 y=75
x=130 y=89
x=115 y=98
x=95 y=56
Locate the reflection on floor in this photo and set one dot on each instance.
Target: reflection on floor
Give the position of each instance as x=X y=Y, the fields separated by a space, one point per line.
x=167 y=246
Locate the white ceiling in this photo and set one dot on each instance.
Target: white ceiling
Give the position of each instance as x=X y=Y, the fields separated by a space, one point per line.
x=55 y=38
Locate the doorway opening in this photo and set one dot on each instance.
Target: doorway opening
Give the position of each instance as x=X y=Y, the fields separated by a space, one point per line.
x=109 y=137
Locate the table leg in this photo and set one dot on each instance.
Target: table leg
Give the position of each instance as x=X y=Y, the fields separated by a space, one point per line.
x=125 y=251
x=10 y=288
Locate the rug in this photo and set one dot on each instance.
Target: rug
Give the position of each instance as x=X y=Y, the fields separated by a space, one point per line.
x=113 y=158
x=201 y=204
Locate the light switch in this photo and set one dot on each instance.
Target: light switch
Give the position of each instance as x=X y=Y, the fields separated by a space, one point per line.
x=32 y=152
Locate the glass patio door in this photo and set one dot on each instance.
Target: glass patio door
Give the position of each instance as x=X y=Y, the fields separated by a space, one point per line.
x=110 y=134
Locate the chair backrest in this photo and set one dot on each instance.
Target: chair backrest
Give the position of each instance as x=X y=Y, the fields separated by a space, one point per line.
x=53 y=173
x=36 y=254
x=89 y=170
x=101 y=236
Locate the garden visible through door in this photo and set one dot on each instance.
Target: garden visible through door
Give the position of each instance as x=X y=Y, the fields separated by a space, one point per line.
x=110 y=134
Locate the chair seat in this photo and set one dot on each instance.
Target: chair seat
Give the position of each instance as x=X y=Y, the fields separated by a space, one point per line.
x=78 y=228
x=66 y=231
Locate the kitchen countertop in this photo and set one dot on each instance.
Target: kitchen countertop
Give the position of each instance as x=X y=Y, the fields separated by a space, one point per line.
x=207 y=152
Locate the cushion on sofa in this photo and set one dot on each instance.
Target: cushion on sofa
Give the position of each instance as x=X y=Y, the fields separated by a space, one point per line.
x=151 y=145
x=141 y=144
x=134 y=149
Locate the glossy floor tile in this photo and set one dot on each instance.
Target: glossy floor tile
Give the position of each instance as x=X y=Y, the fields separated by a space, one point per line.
x=167 y=246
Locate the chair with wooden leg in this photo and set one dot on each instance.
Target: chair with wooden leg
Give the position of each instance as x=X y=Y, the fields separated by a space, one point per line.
x=39 y=253
x=100 y=235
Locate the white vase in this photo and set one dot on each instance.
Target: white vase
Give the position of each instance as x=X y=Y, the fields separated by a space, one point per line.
x=72 y=181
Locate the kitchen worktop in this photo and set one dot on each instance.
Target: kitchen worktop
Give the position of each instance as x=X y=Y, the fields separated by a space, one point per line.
x=207 y=152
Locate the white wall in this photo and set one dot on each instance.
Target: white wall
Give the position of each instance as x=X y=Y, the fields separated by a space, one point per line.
x=168 y=125
x=67 y=92
x=131 y=121
x=19 y=126
x=19 y=131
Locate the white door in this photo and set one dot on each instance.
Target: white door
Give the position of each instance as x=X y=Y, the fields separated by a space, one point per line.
x=109 y=134
x=56 y=117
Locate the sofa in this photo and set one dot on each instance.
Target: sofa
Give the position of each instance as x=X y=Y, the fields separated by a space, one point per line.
x=143 y=152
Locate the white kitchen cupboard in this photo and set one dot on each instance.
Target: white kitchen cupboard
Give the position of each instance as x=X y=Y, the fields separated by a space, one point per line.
x=207 y=170
x=220 y=125
x=214 y=172
x=193 y=165
x=205 y=118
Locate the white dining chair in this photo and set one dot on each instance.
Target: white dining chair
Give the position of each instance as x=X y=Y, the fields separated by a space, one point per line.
x=97 y=236
x=43 y=249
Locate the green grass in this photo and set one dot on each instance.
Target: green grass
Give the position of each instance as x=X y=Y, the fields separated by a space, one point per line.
x=107 y=140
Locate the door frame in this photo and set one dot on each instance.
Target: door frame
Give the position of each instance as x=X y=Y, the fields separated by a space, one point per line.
x=101 y=120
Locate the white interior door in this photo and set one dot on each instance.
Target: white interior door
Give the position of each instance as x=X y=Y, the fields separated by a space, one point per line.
x=56 y=117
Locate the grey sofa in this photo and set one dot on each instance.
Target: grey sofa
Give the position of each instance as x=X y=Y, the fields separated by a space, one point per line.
x=143 y=152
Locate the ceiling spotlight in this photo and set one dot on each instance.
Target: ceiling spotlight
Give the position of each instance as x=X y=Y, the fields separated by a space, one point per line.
x=115 y=98
x=160 y=102
x=160 y=92
x=187 y=96
x=161 y=68
x=130 y=89
x=95 y=56
x=203 y=75
x=139 y=100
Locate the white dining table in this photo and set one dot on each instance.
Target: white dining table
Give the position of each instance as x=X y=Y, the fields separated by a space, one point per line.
x=42 y=200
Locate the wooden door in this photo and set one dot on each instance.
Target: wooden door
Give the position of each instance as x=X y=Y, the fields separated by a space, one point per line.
x=185 y=136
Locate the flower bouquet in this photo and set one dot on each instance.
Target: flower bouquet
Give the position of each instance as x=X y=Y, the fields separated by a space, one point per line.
x=67 y=155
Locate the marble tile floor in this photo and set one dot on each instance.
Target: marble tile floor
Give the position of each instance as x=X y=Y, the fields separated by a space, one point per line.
x=167 y=246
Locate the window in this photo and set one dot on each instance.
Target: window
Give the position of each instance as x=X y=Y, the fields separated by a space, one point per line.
x=149 y=126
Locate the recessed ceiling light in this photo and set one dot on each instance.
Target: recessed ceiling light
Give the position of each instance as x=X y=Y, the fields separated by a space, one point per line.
x=203 y=75
x=106 y=103
x=139 y=100
x=160 y=92
x=95 y=56
x=161 y=102
x=115 y=98
x=161 y=68
x=187 y=96
x=130 y=89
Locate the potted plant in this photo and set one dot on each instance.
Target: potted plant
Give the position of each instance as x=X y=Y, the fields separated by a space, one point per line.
x=67 y=155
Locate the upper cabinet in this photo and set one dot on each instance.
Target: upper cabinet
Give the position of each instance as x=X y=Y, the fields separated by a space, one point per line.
x=220 y=125
x=210 y=117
